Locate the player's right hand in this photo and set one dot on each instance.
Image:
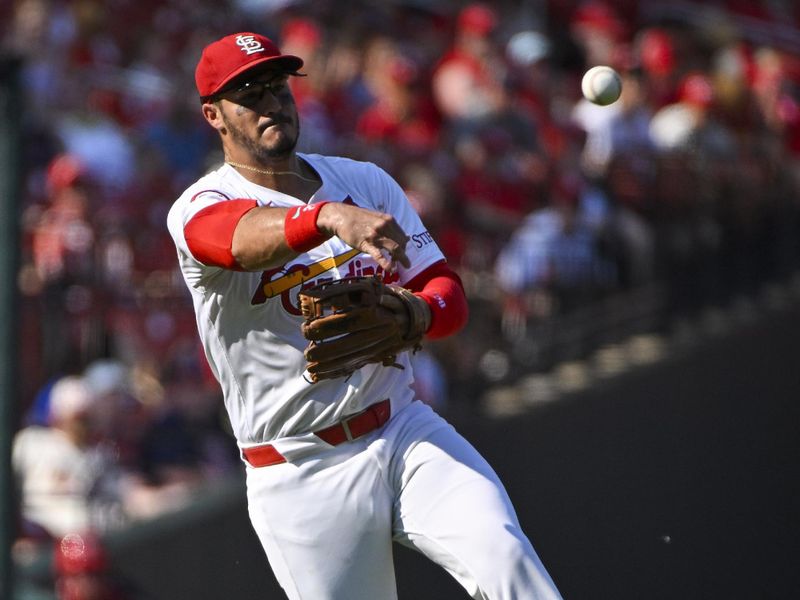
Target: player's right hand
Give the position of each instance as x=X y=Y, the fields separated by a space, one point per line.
x=375 y=233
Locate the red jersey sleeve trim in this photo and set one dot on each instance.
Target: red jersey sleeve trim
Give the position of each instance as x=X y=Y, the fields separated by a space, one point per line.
x=442 y=289
x=209 y=234
x=215 y=192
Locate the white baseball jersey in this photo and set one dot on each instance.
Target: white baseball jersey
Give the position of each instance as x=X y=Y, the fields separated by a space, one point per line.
x=327 y=522
x=249 y=322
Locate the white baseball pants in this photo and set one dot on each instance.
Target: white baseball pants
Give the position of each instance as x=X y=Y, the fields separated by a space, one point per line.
x=327 y=522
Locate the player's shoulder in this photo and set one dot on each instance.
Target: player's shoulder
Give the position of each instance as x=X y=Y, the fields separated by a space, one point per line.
x=217 y=182
x=30 y=436
x=335 y=162
x=364 y=182
x=341 y=167
x=214 y=186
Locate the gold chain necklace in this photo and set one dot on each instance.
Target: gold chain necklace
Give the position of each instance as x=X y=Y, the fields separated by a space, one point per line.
x=266 y=172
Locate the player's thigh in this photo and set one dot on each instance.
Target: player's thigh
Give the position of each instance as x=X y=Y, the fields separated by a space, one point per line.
x=325 y=526
x=454 y=509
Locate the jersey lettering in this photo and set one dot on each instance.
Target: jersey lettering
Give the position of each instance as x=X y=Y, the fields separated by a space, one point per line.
x=294 y=276
x=354 y=269
x=281 y=281
x=422 y=239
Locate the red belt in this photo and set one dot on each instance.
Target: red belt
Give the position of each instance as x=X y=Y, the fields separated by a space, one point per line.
x=349 y=429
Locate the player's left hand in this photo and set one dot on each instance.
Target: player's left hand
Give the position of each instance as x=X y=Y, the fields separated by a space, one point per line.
x=357 y=321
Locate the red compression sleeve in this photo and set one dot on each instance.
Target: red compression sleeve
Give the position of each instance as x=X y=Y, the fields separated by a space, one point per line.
x=300 y=227
x=442 y=289
x=209 y=234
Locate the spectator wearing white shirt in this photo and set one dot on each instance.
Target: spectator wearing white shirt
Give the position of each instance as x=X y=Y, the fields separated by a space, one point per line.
x=59 y=469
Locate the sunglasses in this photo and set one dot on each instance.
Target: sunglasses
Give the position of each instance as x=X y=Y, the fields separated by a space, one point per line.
x=250 y=93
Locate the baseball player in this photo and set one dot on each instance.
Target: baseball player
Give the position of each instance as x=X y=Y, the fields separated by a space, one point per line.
x=338 y=467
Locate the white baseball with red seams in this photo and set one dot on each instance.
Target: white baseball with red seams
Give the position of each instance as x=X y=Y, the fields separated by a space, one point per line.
x=601 y=85
x=327 y=514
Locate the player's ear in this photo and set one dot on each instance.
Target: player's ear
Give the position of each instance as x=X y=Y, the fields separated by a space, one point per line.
x=212 y=112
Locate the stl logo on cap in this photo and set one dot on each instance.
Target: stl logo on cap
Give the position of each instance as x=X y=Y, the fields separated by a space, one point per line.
x=249 y=44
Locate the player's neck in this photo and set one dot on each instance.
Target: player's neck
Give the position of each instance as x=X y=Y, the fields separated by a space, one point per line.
x=291 y=176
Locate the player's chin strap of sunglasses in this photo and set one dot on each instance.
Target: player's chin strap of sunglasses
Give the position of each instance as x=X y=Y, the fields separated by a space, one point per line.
x=347 y=430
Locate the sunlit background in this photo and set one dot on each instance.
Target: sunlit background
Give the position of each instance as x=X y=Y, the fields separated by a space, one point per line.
x=593 y=242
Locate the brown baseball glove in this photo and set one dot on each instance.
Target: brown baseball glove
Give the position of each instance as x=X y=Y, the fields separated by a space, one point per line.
x=356 y=321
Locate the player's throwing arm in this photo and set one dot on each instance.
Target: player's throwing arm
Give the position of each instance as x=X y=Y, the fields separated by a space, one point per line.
x=260 y=240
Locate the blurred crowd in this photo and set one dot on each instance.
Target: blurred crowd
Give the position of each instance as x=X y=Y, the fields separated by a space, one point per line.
x=543 y=202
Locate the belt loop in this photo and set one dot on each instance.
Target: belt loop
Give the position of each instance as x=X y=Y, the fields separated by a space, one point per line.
x=347 y=432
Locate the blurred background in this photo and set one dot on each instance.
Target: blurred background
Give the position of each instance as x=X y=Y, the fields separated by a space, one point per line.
x=633 y=273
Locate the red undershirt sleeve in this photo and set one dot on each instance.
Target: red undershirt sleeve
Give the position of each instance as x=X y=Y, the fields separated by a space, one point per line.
x=209 y=234
x=442 y=289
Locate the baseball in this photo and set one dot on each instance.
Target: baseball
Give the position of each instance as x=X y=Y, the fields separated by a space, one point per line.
x=601 y=85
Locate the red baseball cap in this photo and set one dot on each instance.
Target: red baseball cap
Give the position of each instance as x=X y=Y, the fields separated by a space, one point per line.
x=227 y=58
x=477 y=18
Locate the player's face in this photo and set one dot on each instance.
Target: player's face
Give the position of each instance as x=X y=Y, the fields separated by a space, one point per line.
x=261 y=116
